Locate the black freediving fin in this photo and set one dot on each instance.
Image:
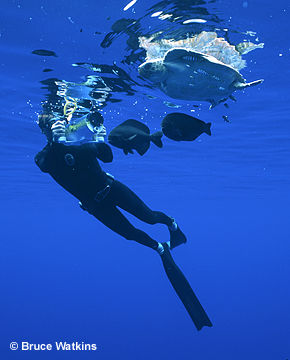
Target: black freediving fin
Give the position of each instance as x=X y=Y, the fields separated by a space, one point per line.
x=184 y=290
x=177 y=238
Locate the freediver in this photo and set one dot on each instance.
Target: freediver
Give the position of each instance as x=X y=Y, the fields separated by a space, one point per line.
x=75 y=167
x=77 y=170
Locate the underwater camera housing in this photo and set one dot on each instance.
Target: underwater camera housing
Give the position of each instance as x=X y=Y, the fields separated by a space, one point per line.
x=95 y=119
x=81 y=129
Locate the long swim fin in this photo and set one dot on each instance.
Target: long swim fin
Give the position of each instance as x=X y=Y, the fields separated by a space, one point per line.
x=184 y=290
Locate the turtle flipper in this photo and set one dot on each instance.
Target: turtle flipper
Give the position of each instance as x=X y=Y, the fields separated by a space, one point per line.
x=241 y=86
x=213 y=104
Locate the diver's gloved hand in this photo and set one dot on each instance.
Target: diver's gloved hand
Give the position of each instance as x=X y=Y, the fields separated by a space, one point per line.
x=58 y=131
x=99 y=133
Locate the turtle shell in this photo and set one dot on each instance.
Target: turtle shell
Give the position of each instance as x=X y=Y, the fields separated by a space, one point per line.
x=190 y=75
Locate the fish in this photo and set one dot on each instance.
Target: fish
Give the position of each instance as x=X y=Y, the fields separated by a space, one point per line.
x=226 y=118
x=134 y=135
x=42 y=52
x=183 y=127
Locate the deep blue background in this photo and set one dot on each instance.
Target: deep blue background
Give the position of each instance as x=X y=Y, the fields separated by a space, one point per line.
x=65 y=277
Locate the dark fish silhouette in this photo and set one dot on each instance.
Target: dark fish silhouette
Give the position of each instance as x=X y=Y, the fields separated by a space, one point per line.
x=42 y=52
x=226 y=118
x=182 y=127
x=133 y=134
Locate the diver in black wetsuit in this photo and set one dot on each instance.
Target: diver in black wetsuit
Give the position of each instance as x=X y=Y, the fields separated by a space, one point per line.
x=76 y=169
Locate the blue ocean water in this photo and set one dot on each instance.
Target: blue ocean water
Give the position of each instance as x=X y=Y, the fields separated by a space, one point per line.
x=64 y=276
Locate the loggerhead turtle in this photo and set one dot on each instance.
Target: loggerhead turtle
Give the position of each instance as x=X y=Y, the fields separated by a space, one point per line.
x=185 y=73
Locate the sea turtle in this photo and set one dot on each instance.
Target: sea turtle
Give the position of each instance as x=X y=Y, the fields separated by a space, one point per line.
x=201 y=68
x=190 y=75
x=206 y=42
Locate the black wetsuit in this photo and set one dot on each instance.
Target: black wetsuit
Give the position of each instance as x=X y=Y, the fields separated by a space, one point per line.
x=76 y=169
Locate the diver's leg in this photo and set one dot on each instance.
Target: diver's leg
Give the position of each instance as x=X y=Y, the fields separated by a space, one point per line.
x=126 y=199
x=111 y=217
x=129 y=201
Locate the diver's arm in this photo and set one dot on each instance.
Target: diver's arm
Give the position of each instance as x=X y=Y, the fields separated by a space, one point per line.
x=104 y=152
x=43 y=158
x=101 y=150
x=54 y=131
